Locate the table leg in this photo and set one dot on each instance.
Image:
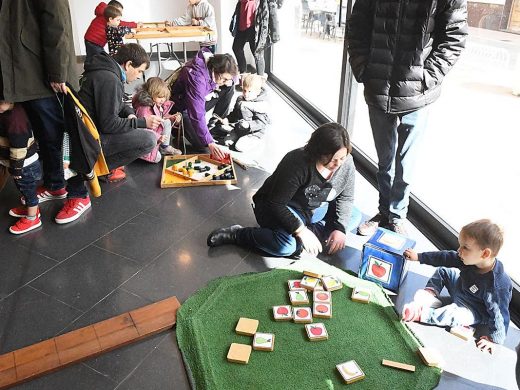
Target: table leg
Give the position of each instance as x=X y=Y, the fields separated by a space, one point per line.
x=159 y=59
x=184 y=49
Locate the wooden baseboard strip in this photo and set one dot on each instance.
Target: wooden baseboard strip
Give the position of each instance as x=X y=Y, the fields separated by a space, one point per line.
x=50 y=355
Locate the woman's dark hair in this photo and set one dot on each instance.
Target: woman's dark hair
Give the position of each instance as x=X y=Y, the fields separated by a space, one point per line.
x=326 y=140
x=134 y=53
x=115 y=3
x=223 y=63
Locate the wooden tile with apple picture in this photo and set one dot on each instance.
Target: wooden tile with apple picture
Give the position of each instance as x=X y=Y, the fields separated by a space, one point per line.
x=246 y=326
x=283 y=313
x=303 y=315
x=294 y=285
x=316 y=332
x=299 y=297
x=239 y=353
x=322 y=310
x=350 y=371
x=322 y=297
x=309 y=282
x=361 y=295
x=263 y=342
x=331 y=283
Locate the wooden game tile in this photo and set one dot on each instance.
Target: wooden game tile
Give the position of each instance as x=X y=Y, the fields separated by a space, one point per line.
x=398 y=365
x=463 y=332
x=32 y=360
x=247 y=326
x=361 y=295
x=282 y=313
x=116 y=331
x=322 y=296
x=239 y=353
x=294 y=284
x=350 y=371
x=7 y=369
x=312 y=274
x=319 y=286
x=299 y=297
x=309 y=282
x=156 y=317
x=431 y=357
x=331 y=283
x=75 y=345
x=322 y=310
x=263 y=342
x=302 y=315
x=316 y=332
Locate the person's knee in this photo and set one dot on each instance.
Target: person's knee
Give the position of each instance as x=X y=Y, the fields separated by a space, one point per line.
x=149 y=141
x=286 y=245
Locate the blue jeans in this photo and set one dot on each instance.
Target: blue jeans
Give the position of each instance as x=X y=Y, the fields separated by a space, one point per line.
x=396 y=138
x=28 y=183
x=456 y=313
x=279 y=242
x=46 y=118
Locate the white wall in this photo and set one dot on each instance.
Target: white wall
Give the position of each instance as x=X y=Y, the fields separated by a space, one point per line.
x=82 y=12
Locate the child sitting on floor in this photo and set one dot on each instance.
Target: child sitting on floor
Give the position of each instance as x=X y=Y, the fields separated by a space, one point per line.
x=18 y=152
x=249 y=116
x=479 y=288
x=152 y=99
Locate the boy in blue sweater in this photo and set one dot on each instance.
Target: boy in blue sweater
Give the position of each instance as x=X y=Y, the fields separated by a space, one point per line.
x=479 y=288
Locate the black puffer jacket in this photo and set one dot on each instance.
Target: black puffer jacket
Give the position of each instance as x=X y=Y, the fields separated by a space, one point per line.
x=401 y=50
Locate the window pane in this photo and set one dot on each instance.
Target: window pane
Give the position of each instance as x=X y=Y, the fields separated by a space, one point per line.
x=468 y=167
x=309 y=54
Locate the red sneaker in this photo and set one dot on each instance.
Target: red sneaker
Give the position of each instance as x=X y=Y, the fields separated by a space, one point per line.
x=21 y=212
x=24 y=225
x=72 y=210
x=44 y=195
x=116 y=175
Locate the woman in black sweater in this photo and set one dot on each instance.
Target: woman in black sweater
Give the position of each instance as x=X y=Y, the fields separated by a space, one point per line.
x=306 y=201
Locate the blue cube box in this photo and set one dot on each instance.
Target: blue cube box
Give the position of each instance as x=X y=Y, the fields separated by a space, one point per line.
x=383 y=261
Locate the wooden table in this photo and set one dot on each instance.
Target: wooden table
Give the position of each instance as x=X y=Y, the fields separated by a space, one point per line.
x=155 y=36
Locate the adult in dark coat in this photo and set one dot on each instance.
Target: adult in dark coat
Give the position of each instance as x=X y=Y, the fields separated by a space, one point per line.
x=401 y=52
x=37 y=58
x=254 y=22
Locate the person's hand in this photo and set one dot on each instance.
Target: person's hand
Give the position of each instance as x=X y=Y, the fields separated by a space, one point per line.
x=485 y=344
x=59 y=87
x=153 y=121
x=309 y=241
x=336 y=241
x=225 y=121
x=139 y=24
x=194 y=22
x=132 y=116
x=167 y=23
x=162 y=138
x=216 y=151
x=410 y=254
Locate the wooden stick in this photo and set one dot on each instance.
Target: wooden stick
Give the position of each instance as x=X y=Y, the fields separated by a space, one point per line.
x=401 y=366
x=240 y=163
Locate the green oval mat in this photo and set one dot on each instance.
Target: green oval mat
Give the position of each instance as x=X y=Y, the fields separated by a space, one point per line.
x=366 y=333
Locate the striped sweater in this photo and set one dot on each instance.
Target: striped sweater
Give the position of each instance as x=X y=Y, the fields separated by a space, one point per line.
x=16 y=140
x=204 y=13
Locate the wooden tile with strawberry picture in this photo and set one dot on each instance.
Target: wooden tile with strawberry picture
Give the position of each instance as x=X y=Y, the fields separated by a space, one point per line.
x=331 y=283
x=303 y=315
x=322 y=310
x=350 y=371
x=294 y=284
x=309 y=282
x=299 y=297
x=361 y=295
x=322 y=297
x=282 y=313
x=263 y=342
x=316 y=332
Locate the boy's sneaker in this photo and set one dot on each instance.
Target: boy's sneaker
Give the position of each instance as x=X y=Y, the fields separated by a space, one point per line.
x=369 y=227
x=169 y=150
x=427 y=298
x=44 y=195
x=21 y=212
x=72 y=210
x=115 y=175
x=24 y=225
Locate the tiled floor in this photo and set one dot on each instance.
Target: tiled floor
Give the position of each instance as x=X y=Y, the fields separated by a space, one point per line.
x=139 y=244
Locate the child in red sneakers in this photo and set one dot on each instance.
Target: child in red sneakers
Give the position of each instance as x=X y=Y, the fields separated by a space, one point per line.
x=153 y=99
x=18 y=154
x=479 y=288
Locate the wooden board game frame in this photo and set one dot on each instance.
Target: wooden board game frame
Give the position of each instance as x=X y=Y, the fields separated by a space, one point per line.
x=171 y=180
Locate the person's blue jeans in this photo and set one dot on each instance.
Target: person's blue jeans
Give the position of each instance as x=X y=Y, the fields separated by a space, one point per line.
x=396 y=138
x=28 y=183
x=457 y=312
x=46 y=117
x=281 y=243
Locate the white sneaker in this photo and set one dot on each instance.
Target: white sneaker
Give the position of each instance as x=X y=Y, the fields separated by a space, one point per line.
x=427 y=298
